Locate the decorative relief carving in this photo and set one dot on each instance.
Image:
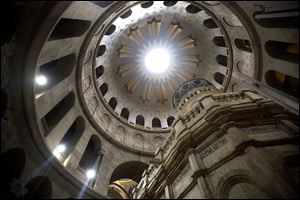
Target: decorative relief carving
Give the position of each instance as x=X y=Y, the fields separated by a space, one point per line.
x=193 y=113
x=228 y=97
x=216 y=145
x=120 y=133
x=259 y=129
x=86 y=83
x=139 y=141
x=106 y=120
x=187 y=86
x=182 y=174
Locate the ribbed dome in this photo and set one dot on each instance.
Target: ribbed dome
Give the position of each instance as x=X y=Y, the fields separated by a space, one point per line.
x=195 y=49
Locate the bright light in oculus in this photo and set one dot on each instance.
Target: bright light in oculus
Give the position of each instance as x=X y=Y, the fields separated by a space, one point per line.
x=157 y=60
x=61 y=148
x=90 y=174
x=41 y=80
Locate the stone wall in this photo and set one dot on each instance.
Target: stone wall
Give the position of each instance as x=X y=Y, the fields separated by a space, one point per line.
x=236 y=146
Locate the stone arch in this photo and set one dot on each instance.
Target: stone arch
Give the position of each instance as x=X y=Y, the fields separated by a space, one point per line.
x=124 y=178
x=139 y=141
x=245 y=68
x=106 y=120
x=120 y=133
x=290 y=164
x=130 y=169
x=234 y=177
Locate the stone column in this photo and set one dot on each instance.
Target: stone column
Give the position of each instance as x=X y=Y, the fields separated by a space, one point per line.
x=168 y=191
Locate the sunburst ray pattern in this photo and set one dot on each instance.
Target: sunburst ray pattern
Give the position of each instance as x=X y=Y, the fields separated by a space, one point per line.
x=160 y=87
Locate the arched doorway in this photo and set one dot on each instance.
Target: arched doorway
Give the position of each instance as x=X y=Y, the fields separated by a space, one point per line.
x=124 y=178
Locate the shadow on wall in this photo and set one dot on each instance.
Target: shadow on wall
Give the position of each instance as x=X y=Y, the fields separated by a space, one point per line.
x=10 y=25
x=11 y=168
x=4 y=101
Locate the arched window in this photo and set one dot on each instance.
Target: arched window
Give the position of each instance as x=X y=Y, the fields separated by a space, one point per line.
x=67 y=28
x=156 y=123
x=111 y=29
x=283 y=82
x=219 y=41
x=101 y=50
x=222 y=60
x=170 y=120
x=243 y=45
x=92 y=156
x=127 y=14
x=57 y=113
x=283 y=18
x=56 y=71
x=72 y=136
x=125 y=113
x=283 y=51
x=99 y=71
x=209 y=23
x=219 y=78
x=169 y=3
x=113 y=103
x=103 y=89
x=140 y=120
x=147 y=4
x=192 y=9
